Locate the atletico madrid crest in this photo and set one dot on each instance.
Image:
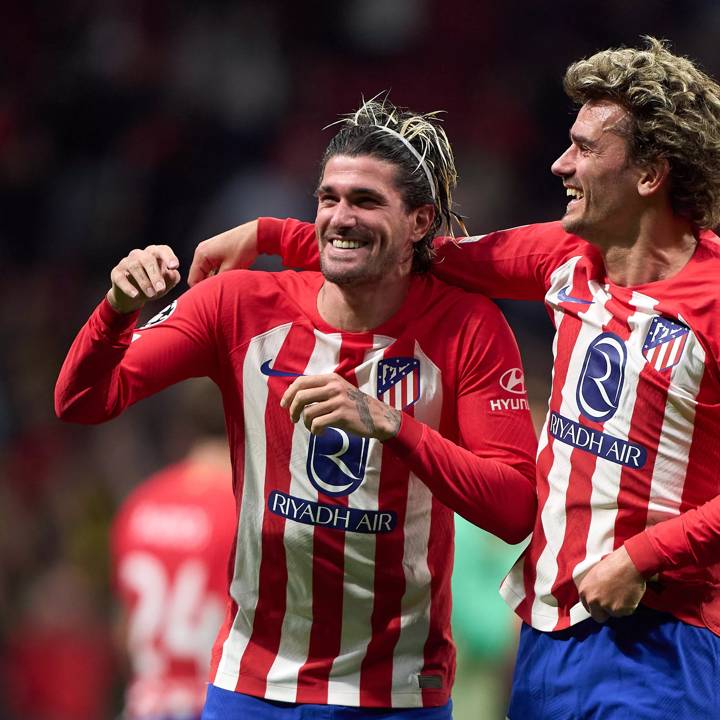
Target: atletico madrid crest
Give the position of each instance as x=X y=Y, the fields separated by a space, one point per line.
x=665 y=342
x=398 y=381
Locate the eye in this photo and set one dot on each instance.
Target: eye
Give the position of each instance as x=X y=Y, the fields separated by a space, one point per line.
x=367 y=201
x=326 y=199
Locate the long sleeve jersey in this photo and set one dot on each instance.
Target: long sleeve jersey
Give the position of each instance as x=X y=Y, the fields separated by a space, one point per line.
x=340 y=585
x=630 y=450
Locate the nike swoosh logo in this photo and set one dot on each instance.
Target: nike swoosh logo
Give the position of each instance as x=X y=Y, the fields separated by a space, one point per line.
x=265 y=369
x=564 y=297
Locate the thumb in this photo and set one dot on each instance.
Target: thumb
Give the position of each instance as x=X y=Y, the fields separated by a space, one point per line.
x=202 y=267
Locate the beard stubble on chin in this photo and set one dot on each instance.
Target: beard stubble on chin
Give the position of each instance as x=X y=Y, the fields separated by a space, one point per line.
x=347 y=277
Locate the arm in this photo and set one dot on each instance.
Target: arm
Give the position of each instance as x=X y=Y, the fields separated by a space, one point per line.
x=616 y=585
x=110 y=365
x=489 y=477
x=515 y=263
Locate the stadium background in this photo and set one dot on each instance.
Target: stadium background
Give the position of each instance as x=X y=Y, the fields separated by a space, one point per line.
x=129 y=123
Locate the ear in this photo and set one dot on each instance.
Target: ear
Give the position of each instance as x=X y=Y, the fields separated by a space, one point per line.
x=422 y=221
x=653 y=177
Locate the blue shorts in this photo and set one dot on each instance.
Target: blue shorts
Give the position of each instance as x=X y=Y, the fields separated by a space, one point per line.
x=227 y=705
x=646 y=666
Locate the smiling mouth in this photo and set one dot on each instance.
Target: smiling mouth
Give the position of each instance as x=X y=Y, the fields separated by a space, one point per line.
x=574 y=193
x=347 y=243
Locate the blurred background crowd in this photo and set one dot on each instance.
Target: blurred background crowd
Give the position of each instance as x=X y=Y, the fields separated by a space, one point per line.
x=130 y=122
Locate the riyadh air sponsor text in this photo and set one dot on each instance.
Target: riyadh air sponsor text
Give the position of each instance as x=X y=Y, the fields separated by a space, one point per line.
x=337 y=517
x=598 y=443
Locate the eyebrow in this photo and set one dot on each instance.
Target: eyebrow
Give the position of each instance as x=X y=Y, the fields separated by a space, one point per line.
x=354 y=191
x=579 y=139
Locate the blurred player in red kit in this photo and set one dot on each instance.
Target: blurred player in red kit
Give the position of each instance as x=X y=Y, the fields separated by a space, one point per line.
x=340 y=589
x=170 y=544
x=619 y=589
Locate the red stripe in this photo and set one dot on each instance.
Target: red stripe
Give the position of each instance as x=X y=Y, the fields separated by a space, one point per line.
x=645 y=429
x=440 y=636
x=328 y=568
x=704 y=454
x=389 y=583
x=270 y=610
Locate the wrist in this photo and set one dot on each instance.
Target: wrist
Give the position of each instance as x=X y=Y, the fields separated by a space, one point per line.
x=387 y=422
x=123 y=305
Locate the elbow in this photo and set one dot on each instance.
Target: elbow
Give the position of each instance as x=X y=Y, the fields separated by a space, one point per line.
x=522 y=525
x=514 y=536
x=74 y=410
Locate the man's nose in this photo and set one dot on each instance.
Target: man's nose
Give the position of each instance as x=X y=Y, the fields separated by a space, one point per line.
x=564 y=165
x=344 y=215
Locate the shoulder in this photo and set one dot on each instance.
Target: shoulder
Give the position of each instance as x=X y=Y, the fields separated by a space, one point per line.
x=258 y=282
x=455 y=303
x=537 y=238
x=470 y=318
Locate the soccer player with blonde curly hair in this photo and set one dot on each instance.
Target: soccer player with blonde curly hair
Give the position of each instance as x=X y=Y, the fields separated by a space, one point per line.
x=619 y=589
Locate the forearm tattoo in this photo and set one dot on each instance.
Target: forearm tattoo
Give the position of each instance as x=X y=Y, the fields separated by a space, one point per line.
x=393 y=416
x=363 y=409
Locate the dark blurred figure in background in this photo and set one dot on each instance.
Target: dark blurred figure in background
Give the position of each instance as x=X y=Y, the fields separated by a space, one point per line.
x=58 y=663
x=170 y=544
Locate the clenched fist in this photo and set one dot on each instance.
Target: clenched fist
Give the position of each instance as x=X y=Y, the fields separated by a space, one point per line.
x=142 y=276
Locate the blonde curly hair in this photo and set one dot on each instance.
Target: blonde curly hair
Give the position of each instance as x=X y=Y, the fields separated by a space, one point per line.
x=674 y=111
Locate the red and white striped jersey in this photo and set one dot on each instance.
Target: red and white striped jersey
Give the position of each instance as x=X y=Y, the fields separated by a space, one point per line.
x=630 y=451
x=340 y=591
x=170 y=543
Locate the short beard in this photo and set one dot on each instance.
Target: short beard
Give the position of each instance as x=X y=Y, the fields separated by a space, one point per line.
x=346 y=277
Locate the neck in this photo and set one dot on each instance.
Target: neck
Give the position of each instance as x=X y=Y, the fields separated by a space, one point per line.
x=661 y=246
x=362 y=307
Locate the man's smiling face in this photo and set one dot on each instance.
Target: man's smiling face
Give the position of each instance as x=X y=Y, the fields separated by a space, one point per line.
x=365 y=231
x=600 y=179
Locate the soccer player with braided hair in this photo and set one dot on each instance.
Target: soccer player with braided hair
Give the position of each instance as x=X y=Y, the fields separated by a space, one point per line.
x=619 y=589
x=363 y=404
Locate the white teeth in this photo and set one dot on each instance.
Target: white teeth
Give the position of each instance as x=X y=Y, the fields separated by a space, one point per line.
x=574 y=193
x=347 y=244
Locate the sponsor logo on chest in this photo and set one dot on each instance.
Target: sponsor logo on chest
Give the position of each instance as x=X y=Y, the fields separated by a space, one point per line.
x=336 y=461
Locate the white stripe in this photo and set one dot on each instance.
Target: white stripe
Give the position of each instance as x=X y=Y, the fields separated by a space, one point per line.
x=668 y=480
x=415 y=608
x=298 y=540
x=662 y=350
x=359 y=565
x=244 y=588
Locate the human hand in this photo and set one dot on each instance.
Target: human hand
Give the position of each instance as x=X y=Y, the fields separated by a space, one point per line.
x=142 y=276
x=324 y=400
x=230 y=250
x=613 y=587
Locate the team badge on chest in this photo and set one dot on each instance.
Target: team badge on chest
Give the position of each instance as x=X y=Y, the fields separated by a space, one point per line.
x=665 y=342
x=398 y=381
